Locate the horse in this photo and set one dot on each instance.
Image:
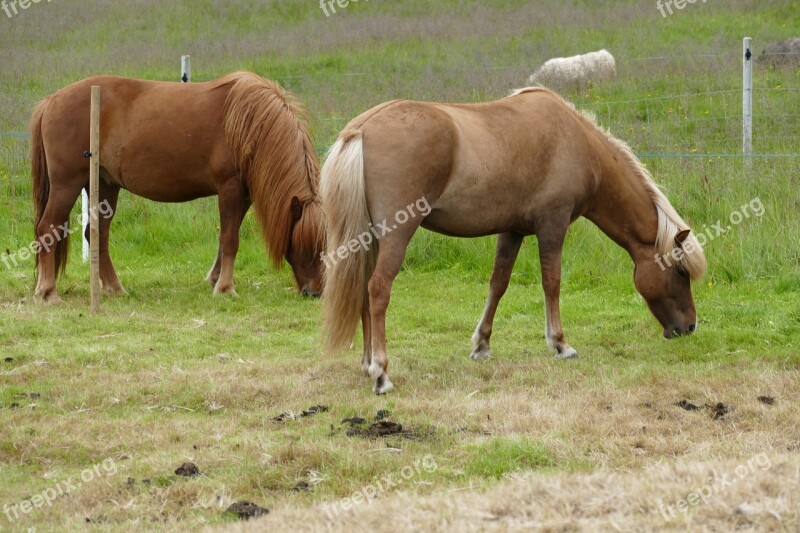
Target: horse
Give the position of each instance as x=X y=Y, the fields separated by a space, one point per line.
x=528 y=164
x=240 y=137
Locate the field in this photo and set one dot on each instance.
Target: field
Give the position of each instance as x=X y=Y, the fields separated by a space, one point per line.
x=639 y=433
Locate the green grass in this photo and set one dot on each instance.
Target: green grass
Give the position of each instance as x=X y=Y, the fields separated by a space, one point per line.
x=170 y=373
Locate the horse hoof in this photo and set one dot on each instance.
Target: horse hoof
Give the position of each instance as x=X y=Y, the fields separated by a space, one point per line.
x=54 y=299
x=115 y=291
x=481 y=354
x=568 y=353
x=47 y=297
x=382 y=385
x=225 y=290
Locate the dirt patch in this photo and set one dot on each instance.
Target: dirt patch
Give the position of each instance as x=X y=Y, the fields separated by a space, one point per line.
x=31 y=395
x=314 y=410
x=360 y=427
x=246 y=510
x=187 y=470
x=768 y=400
x=382 y=428
x=289 y=416
x=719 y=410
x=302 y=486
x=687 y=405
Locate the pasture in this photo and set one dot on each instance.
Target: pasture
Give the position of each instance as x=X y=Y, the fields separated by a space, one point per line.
x=171 y=374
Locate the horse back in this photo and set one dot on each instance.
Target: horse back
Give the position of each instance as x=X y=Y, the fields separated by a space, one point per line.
x=161 y=140
x=485 y=168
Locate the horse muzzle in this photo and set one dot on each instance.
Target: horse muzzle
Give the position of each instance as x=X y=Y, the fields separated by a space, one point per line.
x=671 y=333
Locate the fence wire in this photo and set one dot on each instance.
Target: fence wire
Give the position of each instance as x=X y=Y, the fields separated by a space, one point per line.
x=661 y=126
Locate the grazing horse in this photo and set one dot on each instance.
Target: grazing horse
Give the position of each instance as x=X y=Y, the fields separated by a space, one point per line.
x=529 y=164
x=240 y=137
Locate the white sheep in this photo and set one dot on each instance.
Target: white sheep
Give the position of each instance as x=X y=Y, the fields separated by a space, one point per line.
x=564 y=72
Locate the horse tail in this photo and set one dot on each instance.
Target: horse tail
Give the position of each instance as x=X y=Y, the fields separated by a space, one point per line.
x=347 y=220
x=41 y=187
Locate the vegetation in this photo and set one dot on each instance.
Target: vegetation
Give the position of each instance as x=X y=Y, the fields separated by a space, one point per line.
x=171 y=374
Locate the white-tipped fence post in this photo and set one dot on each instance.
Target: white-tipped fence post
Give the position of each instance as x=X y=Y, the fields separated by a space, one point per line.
x=186 y=69
x=94 y=201
x=747 y=99
x=85 y=221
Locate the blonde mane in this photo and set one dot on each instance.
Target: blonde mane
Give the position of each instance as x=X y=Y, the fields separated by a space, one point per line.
x=670 y=223
x=265 y=129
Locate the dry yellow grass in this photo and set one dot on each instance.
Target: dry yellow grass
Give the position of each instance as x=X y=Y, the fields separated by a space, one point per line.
x=761 y=493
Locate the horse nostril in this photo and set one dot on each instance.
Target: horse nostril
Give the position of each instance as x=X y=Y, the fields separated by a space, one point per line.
x=304 y=292
x=692 y=328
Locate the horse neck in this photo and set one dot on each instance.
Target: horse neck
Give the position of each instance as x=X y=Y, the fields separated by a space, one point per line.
x=623 y=209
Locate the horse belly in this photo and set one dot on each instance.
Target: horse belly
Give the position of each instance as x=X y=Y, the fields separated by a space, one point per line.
x=163 y=171
x=165 y=147
x=461 y=216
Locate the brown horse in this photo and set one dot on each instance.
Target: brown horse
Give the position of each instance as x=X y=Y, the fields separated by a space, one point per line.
x=527 y=164
x=240 y=137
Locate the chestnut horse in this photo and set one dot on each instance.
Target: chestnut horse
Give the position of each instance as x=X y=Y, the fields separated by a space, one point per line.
x=529 y=164
x=240 y=137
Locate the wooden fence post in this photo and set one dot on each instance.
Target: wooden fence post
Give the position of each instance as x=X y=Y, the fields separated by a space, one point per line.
x=94 y=193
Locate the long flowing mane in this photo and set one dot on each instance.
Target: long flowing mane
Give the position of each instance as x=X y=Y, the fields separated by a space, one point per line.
x=670 y=223
x=265 y=129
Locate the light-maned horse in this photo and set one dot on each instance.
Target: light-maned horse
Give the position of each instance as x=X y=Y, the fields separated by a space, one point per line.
x=527 y=164
x=241 y=137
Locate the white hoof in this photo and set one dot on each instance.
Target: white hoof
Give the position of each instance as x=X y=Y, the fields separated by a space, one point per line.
x=481 y=354
x=567 y=353
x=384 y=387
x=224 y=290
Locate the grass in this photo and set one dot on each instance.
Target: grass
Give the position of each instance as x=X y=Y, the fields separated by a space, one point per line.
x=170 y=374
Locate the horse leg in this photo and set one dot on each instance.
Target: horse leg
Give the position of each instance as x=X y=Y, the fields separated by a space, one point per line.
x=108 y=275
x=508 y=245
x=52 y=229
x=366 y=358
x=391 y=251
x=213 y=275
x=551 y=241
x=233 y=204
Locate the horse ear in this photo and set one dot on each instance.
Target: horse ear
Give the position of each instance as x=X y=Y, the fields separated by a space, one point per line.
x=297 y=209
x=681 y=236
